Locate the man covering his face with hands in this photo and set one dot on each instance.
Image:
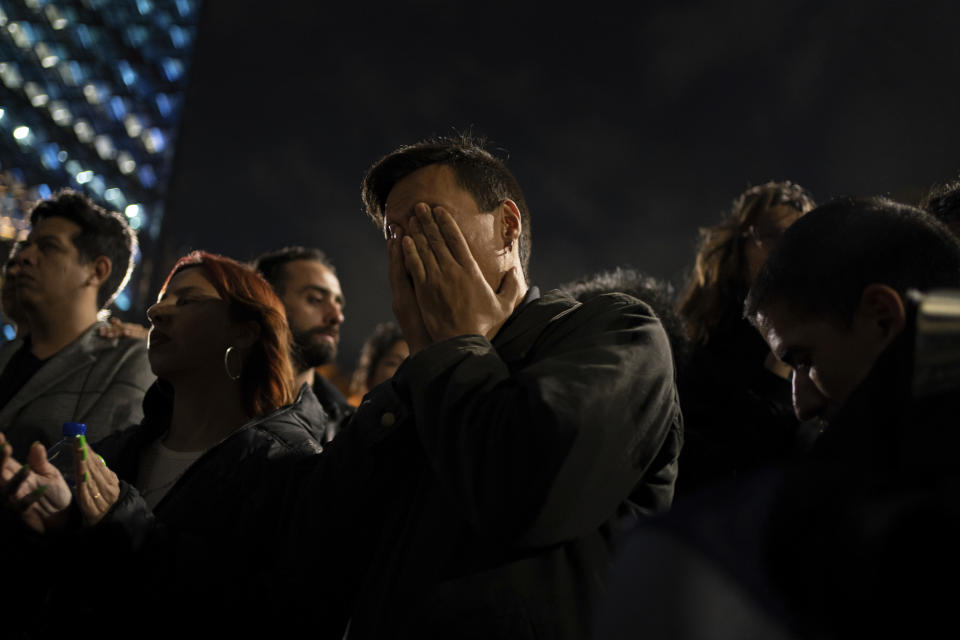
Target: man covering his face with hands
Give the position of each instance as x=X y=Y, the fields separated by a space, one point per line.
x=483 y=486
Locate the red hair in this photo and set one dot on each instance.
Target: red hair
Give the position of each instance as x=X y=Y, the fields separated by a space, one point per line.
x=267 y=375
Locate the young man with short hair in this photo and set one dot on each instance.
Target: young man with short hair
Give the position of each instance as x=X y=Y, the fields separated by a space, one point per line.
x=480 y=492
x=307 y=285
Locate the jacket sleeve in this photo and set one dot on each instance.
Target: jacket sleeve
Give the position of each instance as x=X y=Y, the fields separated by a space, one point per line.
x=545 y=451
x=129 y=526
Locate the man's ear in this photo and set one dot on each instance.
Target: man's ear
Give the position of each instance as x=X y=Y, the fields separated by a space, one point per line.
x=510 y=223
x=882 y=312
x=101 y=269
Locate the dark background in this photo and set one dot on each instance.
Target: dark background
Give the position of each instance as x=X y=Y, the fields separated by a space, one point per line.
x=629 y=126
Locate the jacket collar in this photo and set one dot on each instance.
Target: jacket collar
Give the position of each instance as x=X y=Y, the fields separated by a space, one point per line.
x=514 y=339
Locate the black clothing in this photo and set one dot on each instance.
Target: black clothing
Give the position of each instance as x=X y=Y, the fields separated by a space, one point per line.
x=858 y=540
x=18 y=371
x=334 y=405
x=738 y=416
x=479 y=492
x=201 y=556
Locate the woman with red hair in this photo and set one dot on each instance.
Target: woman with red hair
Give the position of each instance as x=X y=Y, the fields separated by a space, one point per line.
x=177 y=501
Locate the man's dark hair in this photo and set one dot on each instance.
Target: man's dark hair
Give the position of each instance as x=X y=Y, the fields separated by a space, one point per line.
x=828 y=257
x=102 y=233
x=483 y=176
x=943 y=202
x=272 y=265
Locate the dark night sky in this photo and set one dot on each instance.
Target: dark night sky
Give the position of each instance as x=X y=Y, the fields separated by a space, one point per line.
x=628 y=126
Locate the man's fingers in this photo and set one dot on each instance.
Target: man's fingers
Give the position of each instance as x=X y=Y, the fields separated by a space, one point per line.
x=424 y=251
x=13 y=485
x=33 y=496
x=396 y=271
x=101 y=474
x=84 y=492
x=453 y=237
x=37 y=459
x=412 y=261
x=431 y=231
x=5 y=461
x=98 y=488
x=88 y=492
x=404 y=299
x=399 y=270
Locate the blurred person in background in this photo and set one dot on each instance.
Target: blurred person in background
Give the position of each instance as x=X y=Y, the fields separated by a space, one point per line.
x=380 y=357
x=306 y=283
x=180 y=514
x=75 y=261
x=8 y=297
x=734 y=394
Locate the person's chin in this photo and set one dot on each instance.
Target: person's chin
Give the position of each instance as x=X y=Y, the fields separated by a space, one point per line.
x=159 y=364
x=317 y=354
x=29 y=296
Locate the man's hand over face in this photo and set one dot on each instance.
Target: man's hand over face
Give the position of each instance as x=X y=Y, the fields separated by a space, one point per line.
x=405 y=306
x=453 y=297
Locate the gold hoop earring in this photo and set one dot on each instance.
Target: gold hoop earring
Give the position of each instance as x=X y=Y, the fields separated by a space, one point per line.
x=226 y=364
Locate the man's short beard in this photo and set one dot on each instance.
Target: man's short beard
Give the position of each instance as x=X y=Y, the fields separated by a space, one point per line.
x=308 y=353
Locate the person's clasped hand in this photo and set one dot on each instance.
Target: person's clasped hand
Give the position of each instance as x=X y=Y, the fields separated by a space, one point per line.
x=97 y=487
x=36 y=489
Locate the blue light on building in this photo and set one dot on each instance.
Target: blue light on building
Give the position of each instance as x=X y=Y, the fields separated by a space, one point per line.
x=92 y=94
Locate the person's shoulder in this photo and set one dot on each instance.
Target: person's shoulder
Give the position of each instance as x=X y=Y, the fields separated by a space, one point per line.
x=133 y=353
x=111 y=349
x=616 y=301
x=122 y=359
x=291 y=429
x=614 y=308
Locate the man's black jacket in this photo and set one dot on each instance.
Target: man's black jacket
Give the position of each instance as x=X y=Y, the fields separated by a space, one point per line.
x=477 y=494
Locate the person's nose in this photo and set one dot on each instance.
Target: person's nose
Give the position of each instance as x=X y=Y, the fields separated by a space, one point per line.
x=157 y=313
x=334 y=312
x=808 y=401
x=26 y=255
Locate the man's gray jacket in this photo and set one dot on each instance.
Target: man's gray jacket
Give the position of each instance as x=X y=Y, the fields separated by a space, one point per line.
x=95 y=380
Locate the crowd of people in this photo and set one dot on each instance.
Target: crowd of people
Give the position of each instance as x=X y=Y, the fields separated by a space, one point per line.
x=750 y=456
